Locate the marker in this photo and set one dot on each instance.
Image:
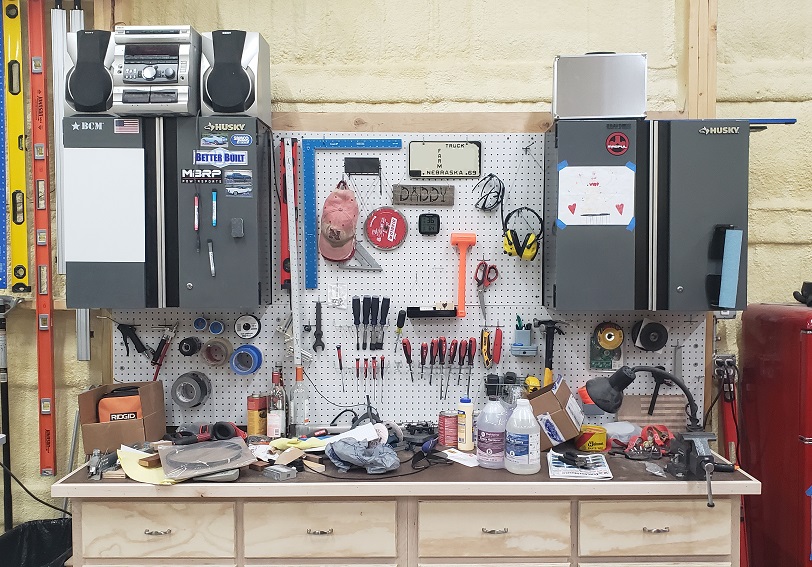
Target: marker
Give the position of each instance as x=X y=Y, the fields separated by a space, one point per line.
x=214 y=207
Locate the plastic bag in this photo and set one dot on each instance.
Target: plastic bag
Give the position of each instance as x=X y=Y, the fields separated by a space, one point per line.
x=38 y=543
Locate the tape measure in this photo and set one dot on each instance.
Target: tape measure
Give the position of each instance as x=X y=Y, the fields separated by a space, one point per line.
x=386 y=228
x=247 y=326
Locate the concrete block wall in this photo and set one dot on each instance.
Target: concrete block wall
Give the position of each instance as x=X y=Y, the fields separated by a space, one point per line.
x=484 y=55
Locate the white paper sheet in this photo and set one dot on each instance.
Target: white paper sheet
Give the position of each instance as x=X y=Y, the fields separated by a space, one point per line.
x=595 y=195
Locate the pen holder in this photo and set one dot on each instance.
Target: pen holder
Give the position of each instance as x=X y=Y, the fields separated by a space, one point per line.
x=523 y=344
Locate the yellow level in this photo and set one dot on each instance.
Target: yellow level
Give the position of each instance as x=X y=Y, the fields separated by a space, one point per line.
x=15 y=142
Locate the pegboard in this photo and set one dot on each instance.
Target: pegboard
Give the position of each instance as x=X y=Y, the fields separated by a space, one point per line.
x=422 y=271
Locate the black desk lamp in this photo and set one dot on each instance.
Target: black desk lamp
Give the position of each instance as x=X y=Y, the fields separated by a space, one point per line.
x=607 y=393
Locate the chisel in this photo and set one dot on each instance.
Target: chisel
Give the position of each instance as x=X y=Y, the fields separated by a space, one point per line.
x=373 y=322
x=356 y=316
x=382 y=322
x=367 y=308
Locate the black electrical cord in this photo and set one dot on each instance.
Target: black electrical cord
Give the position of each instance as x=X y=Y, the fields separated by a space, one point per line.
x=57 y=508
x=491 y=193
x=327 y=400
x=710 y=408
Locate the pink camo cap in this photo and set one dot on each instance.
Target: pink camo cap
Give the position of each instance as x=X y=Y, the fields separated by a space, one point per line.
x=339 y=218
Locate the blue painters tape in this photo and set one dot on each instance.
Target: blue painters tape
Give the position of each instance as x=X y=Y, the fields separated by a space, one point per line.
x=562 y=165
x=560 y=224
x=309 y=148
x=631 y=225
x=731 y=259
x=631 y=166
x=245 y=360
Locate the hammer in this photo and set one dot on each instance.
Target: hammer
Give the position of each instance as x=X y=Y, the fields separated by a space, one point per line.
x=463 y=241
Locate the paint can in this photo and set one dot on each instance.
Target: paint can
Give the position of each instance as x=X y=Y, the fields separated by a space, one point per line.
x=448 y=428
x=257 y=414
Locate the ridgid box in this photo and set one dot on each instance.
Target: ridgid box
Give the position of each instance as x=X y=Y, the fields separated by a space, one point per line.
x=109 y=436
x=557 y=412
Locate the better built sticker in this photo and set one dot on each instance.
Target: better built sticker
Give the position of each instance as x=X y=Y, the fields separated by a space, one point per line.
x=220 y=157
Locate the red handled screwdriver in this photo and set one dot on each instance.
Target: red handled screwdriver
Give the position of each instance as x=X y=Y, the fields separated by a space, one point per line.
x=357 y=372
x=382 y=377
x=471 y=353
x=462 y=352
x=407 y=352
x=424 y=352
x=366 y=369
x=452 y=353
x=434 y=347
x=374 y=367
x=442 y=342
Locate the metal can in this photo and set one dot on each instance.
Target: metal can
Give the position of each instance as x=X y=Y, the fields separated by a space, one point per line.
x=448 y=428
x=257 y=414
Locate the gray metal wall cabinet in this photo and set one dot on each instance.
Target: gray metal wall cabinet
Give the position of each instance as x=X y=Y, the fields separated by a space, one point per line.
x=595 y=197
x=226 y=159
x=108 y=213
x=702 y=184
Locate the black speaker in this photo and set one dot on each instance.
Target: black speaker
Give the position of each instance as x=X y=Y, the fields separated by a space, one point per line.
x=235 y=74
x=89 y=81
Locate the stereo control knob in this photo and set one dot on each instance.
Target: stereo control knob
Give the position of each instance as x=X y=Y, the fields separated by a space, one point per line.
x=149 y=73
x=169 y=73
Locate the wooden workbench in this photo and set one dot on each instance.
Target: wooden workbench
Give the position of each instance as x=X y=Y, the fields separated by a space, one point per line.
x=438 y=517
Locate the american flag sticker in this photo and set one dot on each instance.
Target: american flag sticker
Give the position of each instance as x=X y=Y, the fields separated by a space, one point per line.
x=126 y=126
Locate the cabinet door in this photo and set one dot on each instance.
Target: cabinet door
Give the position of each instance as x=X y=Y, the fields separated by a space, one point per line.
x=320 y=529
x=451 y=528
x=654 y=528
x=158 y=529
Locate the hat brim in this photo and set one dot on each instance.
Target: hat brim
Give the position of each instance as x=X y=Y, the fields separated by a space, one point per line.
x=336 y=253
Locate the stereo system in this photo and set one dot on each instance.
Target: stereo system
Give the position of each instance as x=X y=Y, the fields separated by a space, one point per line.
x=168 y=71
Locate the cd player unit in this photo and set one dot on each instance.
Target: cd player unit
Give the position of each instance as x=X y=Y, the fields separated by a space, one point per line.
x=156 y=70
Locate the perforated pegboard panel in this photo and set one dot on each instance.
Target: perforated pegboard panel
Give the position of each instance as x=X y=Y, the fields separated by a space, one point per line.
x=422 y=271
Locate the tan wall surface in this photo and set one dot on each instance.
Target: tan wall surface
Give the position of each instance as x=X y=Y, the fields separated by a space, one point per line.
x=478 y=55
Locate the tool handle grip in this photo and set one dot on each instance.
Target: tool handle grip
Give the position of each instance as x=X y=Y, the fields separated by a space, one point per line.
x=452 y=351
x=128 y=333
x=356 y=309
x=463 y=351
x=424 y=351
x=407 y=350
x=497 y=346
x=384 y=311
x=471 y=350
x=401 y=318
x=442 y=342
x=318 y=316
x=367 y=308
x=375 y=309
x=434 y=349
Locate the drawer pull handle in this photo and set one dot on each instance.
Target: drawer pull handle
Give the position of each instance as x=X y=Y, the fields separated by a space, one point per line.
x=487 y=531
x=664 y=530
x=319 y=532
x=158 y=532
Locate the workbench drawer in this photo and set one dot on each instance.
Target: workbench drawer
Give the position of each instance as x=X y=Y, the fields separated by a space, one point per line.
x=158 y=529
x=500 y=528
x=654 y=528
x=320 y=529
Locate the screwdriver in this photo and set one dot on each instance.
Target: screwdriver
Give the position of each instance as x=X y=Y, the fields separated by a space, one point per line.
x=442 y=343
x=452 y=353
x=357 y=372
x=381 y=377
x=374 y=322
x=356 y=315
x=366 y=369
x=340 y=366
x=382 y=322
x=424 y=352
x=497 y=345
x=374 y=367
x=407 y=352
x=471 y=354
x=434 y=347
x=462 y=352
x=399 y=325
x=366 y=313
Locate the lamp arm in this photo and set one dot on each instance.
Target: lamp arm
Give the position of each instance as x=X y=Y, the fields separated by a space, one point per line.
x=661 y=376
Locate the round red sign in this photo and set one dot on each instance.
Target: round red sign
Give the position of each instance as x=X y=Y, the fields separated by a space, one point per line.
x=617 y=143
x=386 y=228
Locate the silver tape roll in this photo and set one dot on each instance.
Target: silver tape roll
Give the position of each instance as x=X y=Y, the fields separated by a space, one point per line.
x=247 y=326
x=216 y=351
x=191 y=389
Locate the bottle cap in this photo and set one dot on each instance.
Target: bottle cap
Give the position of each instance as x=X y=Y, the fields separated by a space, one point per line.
x=522 y=402
x=465 y=400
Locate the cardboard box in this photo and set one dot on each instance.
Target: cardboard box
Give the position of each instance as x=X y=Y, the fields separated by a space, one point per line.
x=558 y=413
x=109 y=436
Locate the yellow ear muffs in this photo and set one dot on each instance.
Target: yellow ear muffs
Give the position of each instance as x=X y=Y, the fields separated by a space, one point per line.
x=527 y=249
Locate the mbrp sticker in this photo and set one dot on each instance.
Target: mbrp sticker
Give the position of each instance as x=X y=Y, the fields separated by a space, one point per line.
x=220 y=157
x=241 y=140
x=201 y=176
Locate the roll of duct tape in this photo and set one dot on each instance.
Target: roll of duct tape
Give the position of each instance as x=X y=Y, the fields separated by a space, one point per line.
x=246 y=360
x=189 y=346
x=191 y=389
x=216 y=328
x=216 y=351
x=649 y=335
